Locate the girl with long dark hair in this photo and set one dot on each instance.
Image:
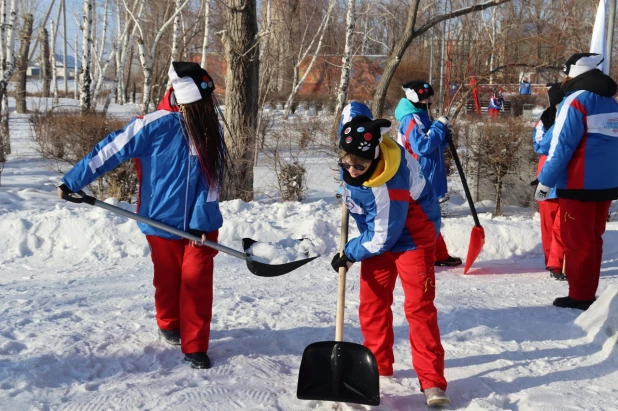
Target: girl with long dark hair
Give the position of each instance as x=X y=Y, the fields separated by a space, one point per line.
x=179 y=153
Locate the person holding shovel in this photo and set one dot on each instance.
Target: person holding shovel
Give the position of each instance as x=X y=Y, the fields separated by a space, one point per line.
x=398 y=216
x=179 y=155
x=426 y=140
x=582 y=165
x=549 y=210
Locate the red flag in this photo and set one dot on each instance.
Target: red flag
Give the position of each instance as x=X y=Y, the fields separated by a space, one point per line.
x=475 y=94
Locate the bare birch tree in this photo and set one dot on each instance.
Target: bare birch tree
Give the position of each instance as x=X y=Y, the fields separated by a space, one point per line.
x=404 y=40
x=7 y=67
x=84 y=100
x=20 y=89
x=45 y=72
x=205 y=42
x=146 y=57
x=296 y=82
x=342 y=92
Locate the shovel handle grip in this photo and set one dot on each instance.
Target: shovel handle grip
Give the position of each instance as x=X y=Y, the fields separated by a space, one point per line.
x=342 y=275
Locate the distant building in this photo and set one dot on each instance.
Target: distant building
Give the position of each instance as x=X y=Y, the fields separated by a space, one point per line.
x=35 y=69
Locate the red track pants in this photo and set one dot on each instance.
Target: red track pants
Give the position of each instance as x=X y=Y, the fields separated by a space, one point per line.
x=550 y=234
x=493 y=112
x=183 y=281
x=378 y=278
x=441 y=250
x=582 y=226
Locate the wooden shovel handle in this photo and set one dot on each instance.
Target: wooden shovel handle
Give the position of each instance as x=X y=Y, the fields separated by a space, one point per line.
x=342 y=273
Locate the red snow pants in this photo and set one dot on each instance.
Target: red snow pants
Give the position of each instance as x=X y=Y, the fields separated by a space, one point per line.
x=493 y=112
x=183 y=281
x=550 y=233
x=378 y=278
x=582 y=226
x=441 y=250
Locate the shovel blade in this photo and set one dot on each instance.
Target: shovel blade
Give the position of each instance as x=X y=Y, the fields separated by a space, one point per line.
x=477 y=240
x=339 y=371
x=271 y=270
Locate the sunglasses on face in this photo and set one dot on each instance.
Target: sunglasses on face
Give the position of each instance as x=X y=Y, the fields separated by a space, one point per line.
x=358 y=167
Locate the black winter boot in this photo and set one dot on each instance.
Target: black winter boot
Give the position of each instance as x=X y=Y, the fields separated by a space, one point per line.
x=198 y=360
x=170 y=336
x=449 y=262
x=568 y=302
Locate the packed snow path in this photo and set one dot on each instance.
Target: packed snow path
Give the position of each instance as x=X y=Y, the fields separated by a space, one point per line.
x=77 y=329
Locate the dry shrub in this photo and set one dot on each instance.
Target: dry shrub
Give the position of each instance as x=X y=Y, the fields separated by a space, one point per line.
x=500 y=160
x=68 y=137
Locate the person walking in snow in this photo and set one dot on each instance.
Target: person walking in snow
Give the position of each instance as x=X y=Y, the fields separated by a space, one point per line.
x=525 y=87
x=496 y=104
x=549 y=209
x=426 y=141
x=582 y=165
x=179 y=154
x=398 y=216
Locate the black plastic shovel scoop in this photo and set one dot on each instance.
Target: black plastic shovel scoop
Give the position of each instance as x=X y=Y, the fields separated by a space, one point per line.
x=256 y=267
x=337 y=370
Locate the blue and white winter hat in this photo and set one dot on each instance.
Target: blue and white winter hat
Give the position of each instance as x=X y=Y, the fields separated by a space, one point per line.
x=417 y=90
x=190 y=81
x=581 y=63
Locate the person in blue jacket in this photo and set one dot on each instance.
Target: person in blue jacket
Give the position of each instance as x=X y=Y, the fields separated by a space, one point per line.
x=582 y=165
x=179 y=153
x=496 y=103
x=549 y=210
x=426 y=141
x=525 y=87
x=398 y=217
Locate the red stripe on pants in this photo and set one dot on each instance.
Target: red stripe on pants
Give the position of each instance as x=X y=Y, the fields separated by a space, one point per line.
x=582 y=226
x=378 y=278
x=553 y=249
x=183 y=281
x=441 y=250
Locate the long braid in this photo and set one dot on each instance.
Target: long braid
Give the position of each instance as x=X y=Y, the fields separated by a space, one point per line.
x=204 y=130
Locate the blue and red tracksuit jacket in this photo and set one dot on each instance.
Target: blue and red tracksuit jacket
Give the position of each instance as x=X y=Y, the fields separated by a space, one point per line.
x=395 y=210
x=496 y=103
x=172 y=189
x=425 y=140
x=540 y=142
x=582 y=161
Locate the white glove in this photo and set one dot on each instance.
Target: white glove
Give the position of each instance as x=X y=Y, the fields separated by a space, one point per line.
x=542 y=192
x=444 y=120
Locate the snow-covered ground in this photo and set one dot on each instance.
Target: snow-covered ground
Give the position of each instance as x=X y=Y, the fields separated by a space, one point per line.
x=77 y=327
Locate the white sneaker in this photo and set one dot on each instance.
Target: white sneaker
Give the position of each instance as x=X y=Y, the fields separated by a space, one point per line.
x=436 y=397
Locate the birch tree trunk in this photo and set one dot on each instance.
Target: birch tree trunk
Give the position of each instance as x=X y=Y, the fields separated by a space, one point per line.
x=342 y=93
x=75 y=74
x=205 y=42
x=20 y=91
x=45 y=72
x=84 y=99
x=241 y=95
x=175 y=35
x=297 y=84
x=7 y=67
x=54 y=70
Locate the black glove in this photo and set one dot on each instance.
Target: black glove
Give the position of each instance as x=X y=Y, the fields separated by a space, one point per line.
x=548 y=117
x=535 y=182
x=339 y=261
x=66 y=190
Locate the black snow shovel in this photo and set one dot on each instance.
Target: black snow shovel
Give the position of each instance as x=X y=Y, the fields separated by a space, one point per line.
x=257 y=268
x=337 y=370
